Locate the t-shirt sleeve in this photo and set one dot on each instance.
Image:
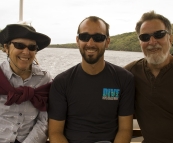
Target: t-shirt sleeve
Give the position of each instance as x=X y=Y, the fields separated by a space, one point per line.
x=126 y=103
x=57 y=105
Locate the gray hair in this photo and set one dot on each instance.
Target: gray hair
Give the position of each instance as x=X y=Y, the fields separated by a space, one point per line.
x=150 y=16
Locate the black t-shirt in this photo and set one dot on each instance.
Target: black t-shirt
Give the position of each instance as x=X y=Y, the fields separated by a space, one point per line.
x=91 y=104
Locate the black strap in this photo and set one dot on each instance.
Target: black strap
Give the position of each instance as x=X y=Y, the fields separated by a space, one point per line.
x=16 y=141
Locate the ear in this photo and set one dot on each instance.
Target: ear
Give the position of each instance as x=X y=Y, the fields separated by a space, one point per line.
x=107 y=42
x=171 y=39
x=77 y=41
x=6 y=48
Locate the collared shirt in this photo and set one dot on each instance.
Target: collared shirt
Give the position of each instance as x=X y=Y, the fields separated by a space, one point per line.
x=153 y=101
x=23 y=121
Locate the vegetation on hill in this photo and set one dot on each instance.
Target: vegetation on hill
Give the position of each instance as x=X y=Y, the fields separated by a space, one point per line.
x=121 y=42
x=125 y=42
x=68 y=45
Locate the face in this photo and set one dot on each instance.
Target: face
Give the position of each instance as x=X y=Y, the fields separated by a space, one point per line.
x=20 y=59
x=92 y=51
x=156 y=51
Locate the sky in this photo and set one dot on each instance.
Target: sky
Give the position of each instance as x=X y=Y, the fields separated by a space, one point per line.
x=59 y=19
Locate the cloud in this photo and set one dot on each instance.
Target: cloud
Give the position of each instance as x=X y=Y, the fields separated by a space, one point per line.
x=60 y=18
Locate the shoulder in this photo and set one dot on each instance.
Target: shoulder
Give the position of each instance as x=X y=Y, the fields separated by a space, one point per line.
x=67 y=74
x=38 y=71
x=5 y=67
x=122 y=76
x=47 y=75
x=117 y=70
x=134 y=64
x=63 y=80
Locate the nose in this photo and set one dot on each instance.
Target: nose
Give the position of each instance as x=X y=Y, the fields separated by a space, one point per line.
x=152 y=41
x=90 y=42
x=26 y=50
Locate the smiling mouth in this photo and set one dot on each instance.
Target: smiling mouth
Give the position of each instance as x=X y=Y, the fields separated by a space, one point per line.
x=91 y=50
x=154 y=50
x=23 y=59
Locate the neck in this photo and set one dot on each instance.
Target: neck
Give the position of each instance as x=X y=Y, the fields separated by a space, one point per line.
x=23 y=73
x=93 y=69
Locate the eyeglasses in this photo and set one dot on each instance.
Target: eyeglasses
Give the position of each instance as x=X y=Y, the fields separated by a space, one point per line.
x=22 y=46
x=85 y=37
x=157 y=35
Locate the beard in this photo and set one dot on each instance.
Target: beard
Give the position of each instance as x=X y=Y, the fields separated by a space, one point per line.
x=156 y=58
x=91 y=59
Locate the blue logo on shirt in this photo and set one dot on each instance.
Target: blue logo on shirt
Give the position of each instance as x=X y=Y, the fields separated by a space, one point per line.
x=110 y=94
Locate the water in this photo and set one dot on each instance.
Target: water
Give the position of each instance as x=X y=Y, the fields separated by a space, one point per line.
x=57 y=60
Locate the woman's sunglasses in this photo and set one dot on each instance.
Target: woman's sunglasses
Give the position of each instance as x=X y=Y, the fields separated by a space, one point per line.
x=85 y=37
x=157 y=35
x=22 y=46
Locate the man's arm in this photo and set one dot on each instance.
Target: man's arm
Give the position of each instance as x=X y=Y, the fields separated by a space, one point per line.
x=56 y=131
x=124 y=133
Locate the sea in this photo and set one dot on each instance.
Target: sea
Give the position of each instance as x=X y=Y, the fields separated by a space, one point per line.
x=57 y=60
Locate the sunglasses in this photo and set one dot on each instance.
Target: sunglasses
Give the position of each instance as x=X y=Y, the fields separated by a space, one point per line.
x=22 y=46
x=157 y=35
x=85 y=37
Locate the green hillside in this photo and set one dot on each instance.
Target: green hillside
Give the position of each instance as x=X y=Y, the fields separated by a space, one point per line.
x=125 y=42
x=121 y=42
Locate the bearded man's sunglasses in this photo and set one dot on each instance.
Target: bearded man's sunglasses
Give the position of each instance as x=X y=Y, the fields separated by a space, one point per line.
x=85 y=37
x=22 y=46
x=157 y=35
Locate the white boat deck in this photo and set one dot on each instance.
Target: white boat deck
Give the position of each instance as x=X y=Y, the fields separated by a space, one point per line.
x=136 y=127
x=137 y=140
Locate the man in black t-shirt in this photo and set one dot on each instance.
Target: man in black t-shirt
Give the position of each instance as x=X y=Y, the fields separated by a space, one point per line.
x=94 y=100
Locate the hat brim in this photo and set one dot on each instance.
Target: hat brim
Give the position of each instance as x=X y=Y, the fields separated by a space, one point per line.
x=14 y=31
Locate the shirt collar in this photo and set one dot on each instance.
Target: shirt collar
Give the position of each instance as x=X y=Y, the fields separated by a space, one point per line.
x=165 y=68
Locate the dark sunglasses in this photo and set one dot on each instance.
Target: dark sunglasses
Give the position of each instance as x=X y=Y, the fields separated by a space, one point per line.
x=157 y=35
x=22 y=46
x=85 y=37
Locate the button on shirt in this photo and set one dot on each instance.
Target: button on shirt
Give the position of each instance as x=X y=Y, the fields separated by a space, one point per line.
x=23 y=121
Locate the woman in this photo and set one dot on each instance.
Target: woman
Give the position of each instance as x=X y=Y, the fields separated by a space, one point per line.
x=24 y=86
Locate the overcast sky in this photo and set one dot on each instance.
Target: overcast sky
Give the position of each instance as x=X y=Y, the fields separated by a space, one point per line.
x=59 y=19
